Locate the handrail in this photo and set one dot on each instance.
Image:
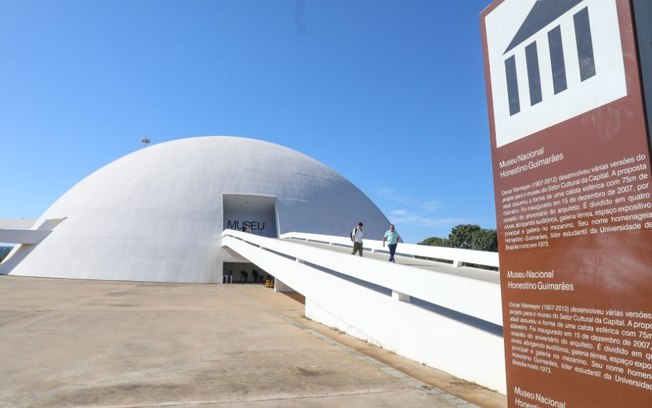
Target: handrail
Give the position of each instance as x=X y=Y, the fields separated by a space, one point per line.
x=458 y=256
x=445 y=290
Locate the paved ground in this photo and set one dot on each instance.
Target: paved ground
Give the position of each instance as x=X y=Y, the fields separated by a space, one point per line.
x=76 y=343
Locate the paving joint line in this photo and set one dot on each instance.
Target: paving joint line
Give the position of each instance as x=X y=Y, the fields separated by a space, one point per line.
x=405 y=378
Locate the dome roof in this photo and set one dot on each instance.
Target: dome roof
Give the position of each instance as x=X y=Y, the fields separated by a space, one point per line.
x=157 y=213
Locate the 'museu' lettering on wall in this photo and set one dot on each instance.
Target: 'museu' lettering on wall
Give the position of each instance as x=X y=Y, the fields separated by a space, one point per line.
x=251 y=225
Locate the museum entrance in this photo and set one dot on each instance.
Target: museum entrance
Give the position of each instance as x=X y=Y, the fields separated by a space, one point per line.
x=251 y=213
x=255 y=214
x=245 y=272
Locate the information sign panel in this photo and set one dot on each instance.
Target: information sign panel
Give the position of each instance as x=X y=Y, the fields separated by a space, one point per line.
x=571 y=163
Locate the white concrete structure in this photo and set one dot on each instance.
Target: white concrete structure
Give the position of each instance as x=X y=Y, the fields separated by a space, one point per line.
x=15 y=224
x=169 y=213
x=443 y=316
x=457 y=256
x=157 y=214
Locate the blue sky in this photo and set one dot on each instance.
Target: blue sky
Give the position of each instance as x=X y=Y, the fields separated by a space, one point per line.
x=388 y=93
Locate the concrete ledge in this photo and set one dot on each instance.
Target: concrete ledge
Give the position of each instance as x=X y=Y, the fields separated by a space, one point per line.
x=17 y=224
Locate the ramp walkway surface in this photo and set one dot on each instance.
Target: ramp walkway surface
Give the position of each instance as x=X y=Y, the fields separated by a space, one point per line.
x=84 y=343
x=485 y=275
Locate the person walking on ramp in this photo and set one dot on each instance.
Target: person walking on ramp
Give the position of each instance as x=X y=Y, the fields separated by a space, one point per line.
x=391 y=236
x=356 y=237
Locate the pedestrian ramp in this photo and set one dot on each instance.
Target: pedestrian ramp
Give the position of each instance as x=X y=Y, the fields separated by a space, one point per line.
x=445 y=313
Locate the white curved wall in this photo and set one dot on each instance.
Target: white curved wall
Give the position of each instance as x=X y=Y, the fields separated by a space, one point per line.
x=156 y=214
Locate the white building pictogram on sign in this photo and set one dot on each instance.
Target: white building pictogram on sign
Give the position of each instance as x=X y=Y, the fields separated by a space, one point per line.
x=550 y=61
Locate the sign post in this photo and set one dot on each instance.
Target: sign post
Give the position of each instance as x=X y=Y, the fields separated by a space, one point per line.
x=573 y=191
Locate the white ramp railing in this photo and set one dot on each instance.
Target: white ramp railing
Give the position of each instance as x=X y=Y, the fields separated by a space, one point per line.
x=457 y=256
x=445 y=321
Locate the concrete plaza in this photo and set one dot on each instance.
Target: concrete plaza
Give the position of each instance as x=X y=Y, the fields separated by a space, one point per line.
x=84 y=343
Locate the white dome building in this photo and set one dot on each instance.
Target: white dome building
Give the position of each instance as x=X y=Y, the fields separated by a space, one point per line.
x=157 y=214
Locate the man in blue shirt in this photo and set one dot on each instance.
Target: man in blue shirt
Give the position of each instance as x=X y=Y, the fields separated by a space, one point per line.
x=391 y=236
